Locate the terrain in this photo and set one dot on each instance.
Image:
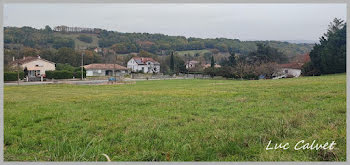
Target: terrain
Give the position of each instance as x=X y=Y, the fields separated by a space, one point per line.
x=176 y=120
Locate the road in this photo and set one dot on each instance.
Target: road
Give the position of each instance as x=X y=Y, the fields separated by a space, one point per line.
x=77 y=82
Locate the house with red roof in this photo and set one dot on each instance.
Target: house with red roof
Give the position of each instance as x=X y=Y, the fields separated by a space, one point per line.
x=293 y=69
x=35 y=66
x=144 y=65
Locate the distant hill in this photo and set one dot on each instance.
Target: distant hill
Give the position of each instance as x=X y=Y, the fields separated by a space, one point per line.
x=301 y=41
x=124 y=43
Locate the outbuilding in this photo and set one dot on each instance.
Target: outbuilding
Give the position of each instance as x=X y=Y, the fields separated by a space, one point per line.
x=105 y=70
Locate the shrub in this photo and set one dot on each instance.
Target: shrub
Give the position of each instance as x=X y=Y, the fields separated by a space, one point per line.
x=59 y=74
x=12 y=76
x=308 y=69
x=227 y=72
x=63 y=74
x=66 y=67
x=78 y=74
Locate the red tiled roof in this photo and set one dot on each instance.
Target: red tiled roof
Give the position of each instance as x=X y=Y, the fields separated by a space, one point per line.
x=105 y=66
x=25 y=60
x=143 y=60
x=293 y=65
x=298 y=62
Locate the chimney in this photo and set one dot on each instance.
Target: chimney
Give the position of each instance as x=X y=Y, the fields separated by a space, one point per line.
x=13 y=58
x=24 y=57
x=39 y=56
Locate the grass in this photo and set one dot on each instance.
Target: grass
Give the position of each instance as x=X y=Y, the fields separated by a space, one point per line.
x=176 y=120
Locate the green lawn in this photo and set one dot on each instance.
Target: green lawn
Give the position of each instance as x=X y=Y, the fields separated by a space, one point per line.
x=176 y=120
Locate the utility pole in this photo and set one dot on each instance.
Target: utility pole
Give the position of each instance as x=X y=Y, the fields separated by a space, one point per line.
x=115 y=74
x=82 y=65
x=17 y=68
x=17 y=73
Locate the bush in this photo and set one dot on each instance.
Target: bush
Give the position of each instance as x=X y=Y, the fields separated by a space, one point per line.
x=59 y=74
x=308 y=69
x=85 y=38
x=65 y=67
x=12 y=76
x=78 y=74
x=210 y=71
x=227 y=72
x=64 y=74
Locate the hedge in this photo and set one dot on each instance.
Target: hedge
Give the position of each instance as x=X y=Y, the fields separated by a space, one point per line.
x=63 y=74
x=12 y=76
x=78 y=74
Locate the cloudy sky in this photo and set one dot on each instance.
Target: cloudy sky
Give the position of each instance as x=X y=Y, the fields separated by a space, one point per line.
x=242 y=21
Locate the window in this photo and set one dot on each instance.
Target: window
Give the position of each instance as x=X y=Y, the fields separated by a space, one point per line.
x=286 y=71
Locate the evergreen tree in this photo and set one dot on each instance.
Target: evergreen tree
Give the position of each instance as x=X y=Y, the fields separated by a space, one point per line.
x=329 y=56
x=232 y=59
x=172 y=65
x=212 y=64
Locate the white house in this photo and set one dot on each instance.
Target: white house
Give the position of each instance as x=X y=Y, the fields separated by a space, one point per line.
x=289 y=70
x=35 y=66
x=191 y=64
x=105 y=70
x=144 y=65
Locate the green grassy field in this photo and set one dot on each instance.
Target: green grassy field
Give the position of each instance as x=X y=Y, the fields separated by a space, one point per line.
x=176 y=120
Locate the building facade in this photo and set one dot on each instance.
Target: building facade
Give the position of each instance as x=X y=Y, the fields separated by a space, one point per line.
x=105 y=70
x=35 y=66
x=144 y=65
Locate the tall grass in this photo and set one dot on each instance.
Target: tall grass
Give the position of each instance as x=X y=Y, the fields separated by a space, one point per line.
x=176 y=120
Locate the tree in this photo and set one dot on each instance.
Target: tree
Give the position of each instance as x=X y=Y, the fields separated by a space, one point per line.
x=212 y=62
x=120 y=48
x=232 y=59
x=68 y=56
x=48 y=29
x=329 y=56
x=172 y=65
x=266 y=53
x=266 y=69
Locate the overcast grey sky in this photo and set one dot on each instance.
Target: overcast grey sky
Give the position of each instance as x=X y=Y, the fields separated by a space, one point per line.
x=242 y=21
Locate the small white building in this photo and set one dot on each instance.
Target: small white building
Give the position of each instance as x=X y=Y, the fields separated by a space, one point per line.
x=35 y=66
x=289 y=70
x=105 y=70
x=144 y=65
x=191 y=64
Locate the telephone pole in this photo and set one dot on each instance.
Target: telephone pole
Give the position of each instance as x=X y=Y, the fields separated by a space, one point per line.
x=17 y=73
x=115 y=74
x=82 y=65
